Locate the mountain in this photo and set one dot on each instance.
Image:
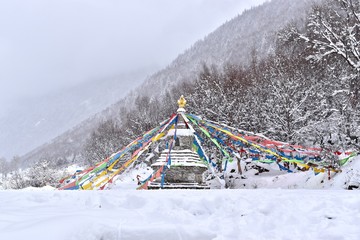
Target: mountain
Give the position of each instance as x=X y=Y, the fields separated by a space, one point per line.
x=33 y=121
x=252 y=32
x=246 y=37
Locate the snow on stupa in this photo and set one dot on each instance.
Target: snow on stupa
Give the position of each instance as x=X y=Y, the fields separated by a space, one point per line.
x=186 y=169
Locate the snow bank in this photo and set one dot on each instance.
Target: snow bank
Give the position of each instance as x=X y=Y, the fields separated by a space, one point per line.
x=350 y=175
x=275 y=178
x=180 y=214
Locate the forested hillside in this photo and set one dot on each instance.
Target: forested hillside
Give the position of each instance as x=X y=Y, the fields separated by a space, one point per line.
x=304 y=92
x=252 y=32
x=292 y=75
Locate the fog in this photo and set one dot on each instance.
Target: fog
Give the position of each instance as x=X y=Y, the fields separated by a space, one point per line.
x=45 y=45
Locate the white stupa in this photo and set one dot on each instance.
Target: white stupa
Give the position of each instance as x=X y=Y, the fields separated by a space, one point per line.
x=186 y=169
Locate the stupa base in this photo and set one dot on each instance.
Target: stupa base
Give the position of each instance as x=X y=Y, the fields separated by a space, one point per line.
x=156 y=185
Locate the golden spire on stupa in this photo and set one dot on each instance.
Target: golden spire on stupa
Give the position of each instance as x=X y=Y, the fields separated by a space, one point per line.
x=182 y=102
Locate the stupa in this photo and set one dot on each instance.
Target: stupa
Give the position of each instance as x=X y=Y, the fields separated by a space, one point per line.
x=186 y=169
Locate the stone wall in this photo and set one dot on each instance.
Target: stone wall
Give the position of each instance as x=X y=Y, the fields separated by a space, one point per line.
x=185 y=174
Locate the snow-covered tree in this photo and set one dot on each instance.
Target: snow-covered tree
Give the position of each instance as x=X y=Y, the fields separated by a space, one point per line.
x=332 y=38
x=219 y=94
x=104 y=141
x=334 y=29
x=16 y=180
x=41 y=174
x=4 y=167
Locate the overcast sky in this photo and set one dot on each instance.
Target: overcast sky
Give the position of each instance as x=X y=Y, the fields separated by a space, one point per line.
x=49 y=44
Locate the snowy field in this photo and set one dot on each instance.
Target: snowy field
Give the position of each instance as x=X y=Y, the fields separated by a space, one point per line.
x=180 y=214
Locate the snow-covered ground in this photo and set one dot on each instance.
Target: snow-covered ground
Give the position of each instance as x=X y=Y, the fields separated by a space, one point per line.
x=318 y=209
x=180 y=214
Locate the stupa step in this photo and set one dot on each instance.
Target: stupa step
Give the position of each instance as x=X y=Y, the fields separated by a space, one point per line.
x=155 y=186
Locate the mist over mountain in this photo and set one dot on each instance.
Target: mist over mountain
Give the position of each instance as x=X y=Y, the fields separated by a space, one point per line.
x=30 y=122
x=238 y=41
